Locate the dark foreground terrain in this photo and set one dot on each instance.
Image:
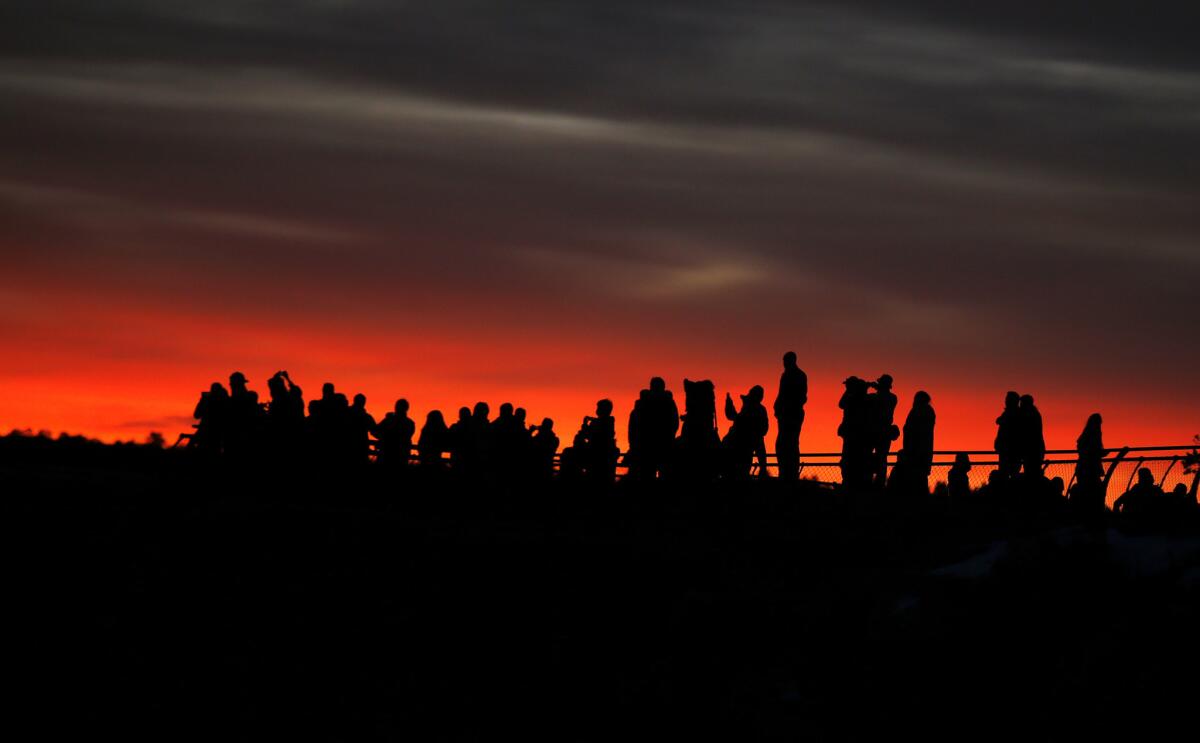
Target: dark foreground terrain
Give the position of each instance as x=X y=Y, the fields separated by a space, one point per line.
x=160 y=600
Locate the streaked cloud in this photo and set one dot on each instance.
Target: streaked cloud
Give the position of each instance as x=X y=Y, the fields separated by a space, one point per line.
x=969 y=184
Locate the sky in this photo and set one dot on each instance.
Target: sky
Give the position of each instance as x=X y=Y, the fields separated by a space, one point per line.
x=550 y=202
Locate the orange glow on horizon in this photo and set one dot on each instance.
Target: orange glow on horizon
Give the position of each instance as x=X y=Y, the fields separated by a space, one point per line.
x=116 y=368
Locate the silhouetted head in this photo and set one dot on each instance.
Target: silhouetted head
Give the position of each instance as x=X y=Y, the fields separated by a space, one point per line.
x=658 y=384
x=884 y=382
x=547 y=425
x=481 y=411
x=1180 y=490
x=464 y=413
x=1145 y=476
x=604 y=408
x=1026 y=401
x=1093 y=422
x=1057 y=486
x=854 y=384
x=237 y=381
x=434 y=418
x=962 y=461
x=922 y=398
x=401 y=407
x=789 y=360
x=327 y=390
x=341 y=401
x=520 y=414
x=1011 y=399
x=217 y=390
x=360 y=401
x=506 y=409
x=755 y=394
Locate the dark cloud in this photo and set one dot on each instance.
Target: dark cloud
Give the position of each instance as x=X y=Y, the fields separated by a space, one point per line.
x=928 y=177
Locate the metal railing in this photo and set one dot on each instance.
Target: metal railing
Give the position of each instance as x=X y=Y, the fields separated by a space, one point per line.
x=1120 y=466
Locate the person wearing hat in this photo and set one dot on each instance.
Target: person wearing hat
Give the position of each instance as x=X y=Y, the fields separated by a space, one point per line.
x=855 y=434
x=882 y=407
x=243 y=417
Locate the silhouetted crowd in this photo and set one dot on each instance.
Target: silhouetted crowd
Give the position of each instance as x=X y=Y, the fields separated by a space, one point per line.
x=335 y=431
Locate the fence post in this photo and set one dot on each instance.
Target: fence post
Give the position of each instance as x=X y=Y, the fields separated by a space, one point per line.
x=1113 y=468
x=1174 y=460
x=1138 y=466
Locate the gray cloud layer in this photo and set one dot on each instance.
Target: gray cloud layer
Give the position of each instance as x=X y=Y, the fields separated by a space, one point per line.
x=908 y=177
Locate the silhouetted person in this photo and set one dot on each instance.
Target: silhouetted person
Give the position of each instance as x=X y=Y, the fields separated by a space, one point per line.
x=327 y=400
x=346 y=445
x=698 y=442
x=243 y=419
x=1142 y=498
x=477 y=447
x=1180 y=500
x=881 y=411
x=506 y=435
x=544 y=445
x=1032 y=442
x=958 y=482
x=211 y=413
x=652 y=427
x=324 y=424
x=789 y=417
x=460 y=437
x=915 y=460
x=285 y=424
x=395 y=435
x=1087 y=494
x=746 y=437
x=360 y=425
x=636 y=468
x=598 y=439
x=855 y=432
x=435 y=439
x=1008 y=436
x=662 y=423
x=997 y=487
x=282 y=405
x=523 y=443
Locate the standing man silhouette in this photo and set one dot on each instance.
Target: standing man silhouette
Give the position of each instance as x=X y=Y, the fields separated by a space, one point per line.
x=883 y=427
x=1032 y=440
x=789 y=417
